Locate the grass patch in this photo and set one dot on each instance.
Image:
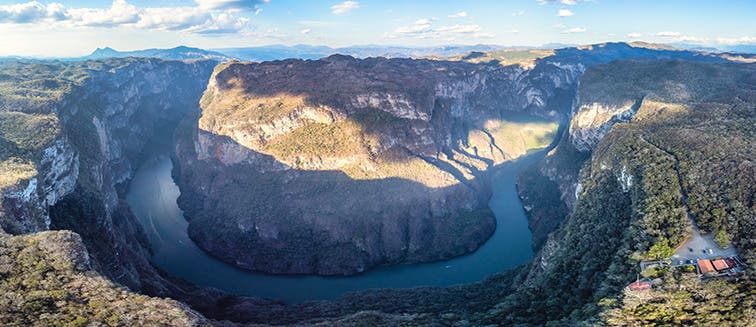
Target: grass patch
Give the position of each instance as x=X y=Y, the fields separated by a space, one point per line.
x=14 y=170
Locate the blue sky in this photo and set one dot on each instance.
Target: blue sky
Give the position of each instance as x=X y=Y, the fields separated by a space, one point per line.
x=70 y=28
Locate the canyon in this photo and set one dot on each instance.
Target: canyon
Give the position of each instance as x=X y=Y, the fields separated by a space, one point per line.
x=341 y=165
x=338 y=165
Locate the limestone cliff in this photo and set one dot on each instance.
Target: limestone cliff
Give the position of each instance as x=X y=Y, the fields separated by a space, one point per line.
x=338 y=165
x=665 y=143
x=72 y=135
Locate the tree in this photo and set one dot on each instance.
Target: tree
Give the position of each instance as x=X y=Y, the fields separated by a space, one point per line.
x=723 y=238
x=660 y=250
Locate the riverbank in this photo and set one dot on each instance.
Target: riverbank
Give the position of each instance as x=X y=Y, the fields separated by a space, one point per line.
x=152 y=197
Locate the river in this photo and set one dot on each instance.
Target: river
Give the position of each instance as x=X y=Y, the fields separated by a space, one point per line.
x=152 y=196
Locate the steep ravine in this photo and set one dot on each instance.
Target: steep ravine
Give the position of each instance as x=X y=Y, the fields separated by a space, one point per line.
x=86 y=168
x=100 y=121
x=339 y=165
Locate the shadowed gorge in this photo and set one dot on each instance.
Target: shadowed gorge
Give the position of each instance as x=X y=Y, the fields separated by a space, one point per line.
x=344 y=191
x=338 y=165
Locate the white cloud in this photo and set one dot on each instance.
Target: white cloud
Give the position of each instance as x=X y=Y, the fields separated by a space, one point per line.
x=205 y=18
x=634 y=35
x=305 y=31
x=344 y=7
x=574 y=30
x=191 y=19
x=420 y=27
x=737 y=40
x=564 y=13
x=30 y=12
x=692 y=39
x=519 y=13
x=459 y=29
x=459 y=15
x=668 y=34
x=230 y=4
x=424 y=29
x=119 y=13
x=679 y=37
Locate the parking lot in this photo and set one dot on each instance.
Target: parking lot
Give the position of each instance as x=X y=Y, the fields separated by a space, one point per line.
x=698 y=246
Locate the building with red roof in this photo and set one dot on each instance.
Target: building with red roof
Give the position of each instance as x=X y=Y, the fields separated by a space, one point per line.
x=720 y=265
x=639 y=286
x=704 y=265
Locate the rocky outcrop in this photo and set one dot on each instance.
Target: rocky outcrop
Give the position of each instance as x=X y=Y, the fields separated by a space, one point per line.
x=593 y=120
x=25 y=205
x=86 y=141
x=338 y=165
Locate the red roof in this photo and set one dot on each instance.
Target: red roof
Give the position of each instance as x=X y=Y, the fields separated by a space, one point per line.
x=639 y=286
x=705 y=266
x=720 y=264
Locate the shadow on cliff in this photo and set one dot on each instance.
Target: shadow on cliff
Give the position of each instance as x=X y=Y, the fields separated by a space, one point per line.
x=262 y=215
x=323 y=221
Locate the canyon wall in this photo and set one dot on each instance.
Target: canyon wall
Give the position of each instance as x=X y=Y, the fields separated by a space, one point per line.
x=662 y=144
x=74 y=141
x=338 y=165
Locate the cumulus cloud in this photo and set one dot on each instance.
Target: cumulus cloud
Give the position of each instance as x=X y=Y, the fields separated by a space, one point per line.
x=574 y=30
x=305 y=31
x=344 y=7
x=191 y=19
x=208 y=17
x=564 y=13
x=32 y=12
x=424 y=29
x=519 y=13
x=119 y=13
x=634 y=35
x=459 y=15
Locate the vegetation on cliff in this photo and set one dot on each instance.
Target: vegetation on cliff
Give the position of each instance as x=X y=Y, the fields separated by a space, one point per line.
x=369 y=162
x=46 y=280
x=688 y=150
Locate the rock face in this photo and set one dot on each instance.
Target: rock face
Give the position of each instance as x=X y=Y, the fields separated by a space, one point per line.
x=634 y=125
x=87 y=135
x=338 y=165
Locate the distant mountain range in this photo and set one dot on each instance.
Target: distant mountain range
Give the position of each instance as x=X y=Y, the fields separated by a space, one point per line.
x=177 y=53
x=278 y=52
x=301 y=51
